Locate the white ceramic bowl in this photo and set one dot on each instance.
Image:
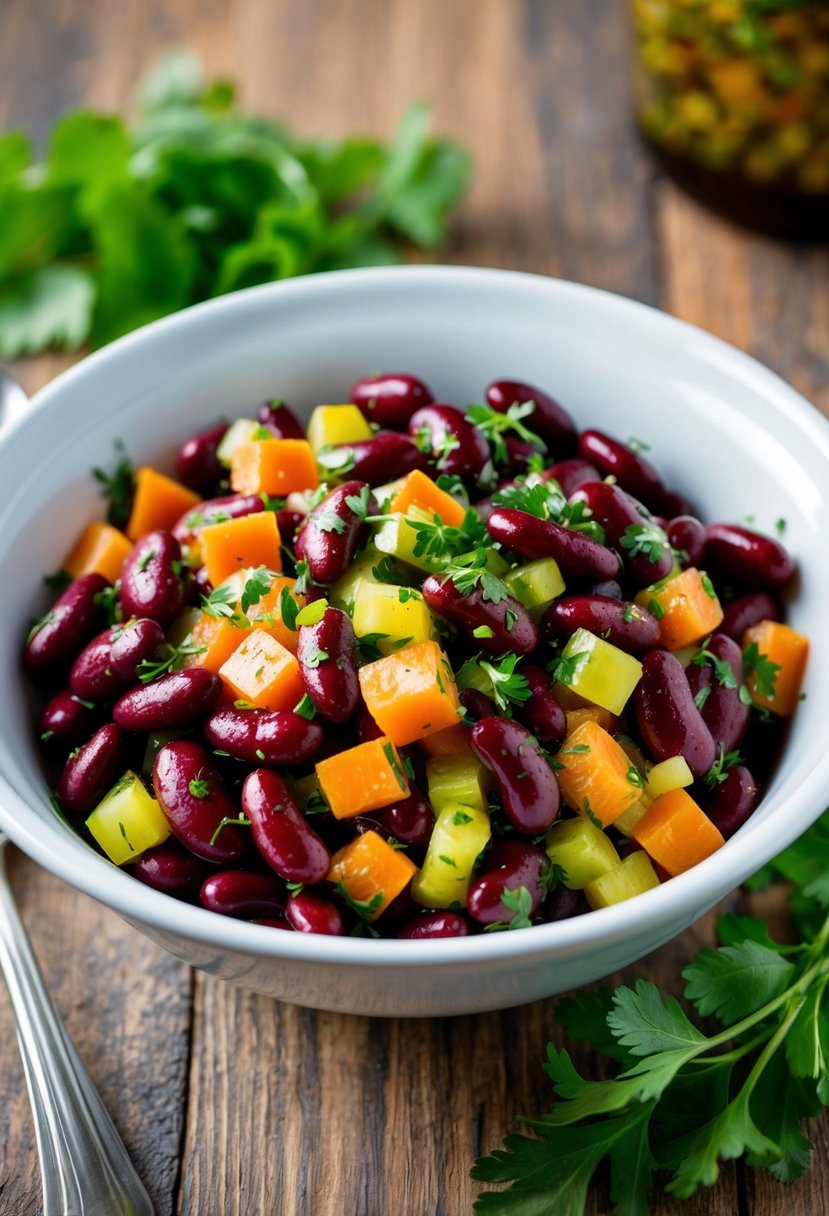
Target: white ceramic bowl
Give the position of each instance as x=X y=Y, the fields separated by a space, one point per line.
x=722 y=429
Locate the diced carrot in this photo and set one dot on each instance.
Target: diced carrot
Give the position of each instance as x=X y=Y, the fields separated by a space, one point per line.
x=251 y=540
x=412 y=693
x=788 y=650
x=219 y=637
x=371 y=872
x=676 y=833
x=100 y=549
x=159 y=502
x=591 y=713
x=274 y=466
x=363 y=778
x=268 y=613
x=689 y=608
x=420 y=491
x=451 y=741
x=262 y=672
x=595 y=775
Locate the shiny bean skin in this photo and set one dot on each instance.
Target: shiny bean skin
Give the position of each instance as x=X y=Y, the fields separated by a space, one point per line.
x=330 y=681
x=734 y=801
x=516 y=633
x=289 y=523
x=577 y=555
x=194 y=802
x=541 y=714
x=281 y=419
x=133 y=643
x=280 y=830
x=562 y=903
x=687 y=534
x=264 y=736
x=310 y=912
x=632 y=471
x=624 y=625
x=723 y=712
x=430 y=925
x=669 y=721
x=518 y=455
x=215 y=510
x=66 y=719
x=548 y=420
x=382 y=458
x=243 y=894
x=199 y=585
x=173 y=700
x=507 y=866
x=616 y=511
x=741 y=556
x=197 y=463
x=571 y=474
x=70 y=623
x=390 y=398
x=151 y=582
x=91 y=770
x=477 y=704
x=609 y=588
x=367 y=728
x=457 y=447
x=527 y=785
x=747 y=610
x=329 y=553
x=92 y=676
x=171 y=869
x=272 y=922
x=410 y=821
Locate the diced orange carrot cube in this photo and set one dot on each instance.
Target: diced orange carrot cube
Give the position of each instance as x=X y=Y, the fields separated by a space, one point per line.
x=159 y=502
x=251 y=540
x=676 y=833
x=371 y=872
x=451 y=741
x=595 y=775
x=268 y=613
x=219 y=636
x=788 y=650
x=262 y=672
x=363 y=778
x=420 y=491
x=274 y=466
x=411 y=693
x=689 y=608
x=591 y=713
x=100 y=549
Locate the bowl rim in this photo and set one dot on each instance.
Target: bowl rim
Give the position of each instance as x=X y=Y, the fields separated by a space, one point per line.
x=682 y=899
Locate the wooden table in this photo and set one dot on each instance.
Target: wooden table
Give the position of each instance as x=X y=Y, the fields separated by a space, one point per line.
x=230 y=1103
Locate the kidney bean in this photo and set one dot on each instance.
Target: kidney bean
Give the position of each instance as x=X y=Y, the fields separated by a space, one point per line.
x=617 y=512
x=669 y=721
x=755 y=562
x=194 y=801
x=434 y=924
x=578 y=556
x=632 y=471
x=90 y=771
x=527 y=785
x=609 y=588
x=215 y=511
x=367 y=728
x=687 y=534
x=264 y=736
x=541 y=714
x=723 y=712
x=410 y=821
x=92 y=675
x=71 y=622
x=243 y=894
x=289 y=523
x=151 y=582
x=548 y=419
x=748 y=610
x=518 y=454
x=328 y=663
x=280 y=831
x=272 y=922
x=197 y=463
x=171 y=869
x=199 y=585
x=734 y=801
x=516 y=632
x=562 y=903
x=329 y=551
x=382 y=458
x=507 y=866
x=477 y=704
x=624 y=625
x=171 y=701
x=390 y=398
x=133 y=643
x=280 y=418
x=66 y=718
x=571 y=474
x=310 y=912
x=454 y=445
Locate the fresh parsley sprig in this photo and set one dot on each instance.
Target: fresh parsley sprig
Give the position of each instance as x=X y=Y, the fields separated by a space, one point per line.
x=498 y=679
x=494 y=425
x=762 y=668
x=470 y=572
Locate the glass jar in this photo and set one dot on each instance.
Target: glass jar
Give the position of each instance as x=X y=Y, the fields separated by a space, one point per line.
x=734 y=97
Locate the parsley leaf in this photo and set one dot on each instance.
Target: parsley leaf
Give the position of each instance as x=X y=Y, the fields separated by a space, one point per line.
x=499 y=680
x=761 y=667
x=493 y=425
x=647 y=538
x=117 y=487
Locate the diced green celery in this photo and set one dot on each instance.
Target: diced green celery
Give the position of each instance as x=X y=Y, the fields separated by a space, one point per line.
x=459 y=835
x=600 y=672
x=241 y=431
x=456 y=779
x=536 y=585
x=582 y=850
x=331 y=425
x=399 y=613
x=128 y=821
x=633 y=876
x=670 y=774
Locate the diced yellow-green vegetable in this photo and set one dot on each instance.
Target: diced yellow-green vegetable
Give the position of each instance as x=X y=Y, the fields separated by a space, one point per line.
x=600 y=672
x=670 y=774
x=459 y=835
x=397 y=538
x=309 y=794
x=342 y=593
x=183 y=626
x=331 y=425
x=685 y=654
x=627 y=821
x=155 y=742
x=400 y=613
x=456 y=779
x=536 y=585
x=582 y=850
x=633 y=876
x=243 y=430
x=128 y=821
